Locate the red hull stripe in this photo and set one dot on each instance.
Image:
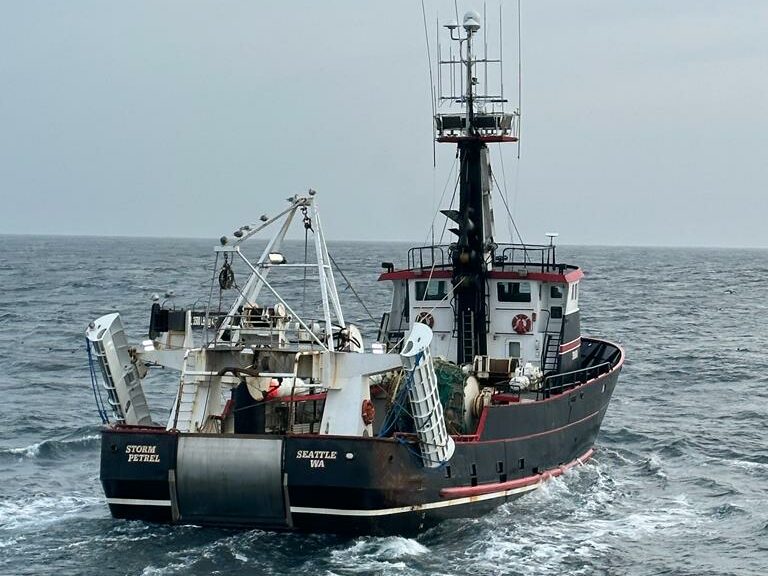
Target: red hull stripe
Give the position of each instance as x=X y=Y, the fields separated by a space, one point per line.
x=464 y=491
x=570 y=346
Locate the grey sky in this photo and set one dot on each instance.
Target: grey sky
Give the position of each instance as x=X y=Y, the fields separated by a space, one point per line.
x=643 y=122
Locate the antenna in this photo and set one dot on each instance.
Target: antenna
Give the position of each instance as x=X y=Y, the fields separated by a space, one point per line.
x=475 y=93
x=552 y=236
x=519 y=70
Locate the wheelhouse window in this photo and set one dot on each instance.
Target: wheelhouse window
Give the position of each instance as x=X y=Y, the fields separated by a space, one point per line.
x=555 y=292
x=432 y=290
x=514 y=291
x=514 y=349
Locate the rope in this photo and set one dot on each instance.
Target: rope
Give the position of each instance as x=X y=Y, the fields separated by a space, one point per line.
x=399 y=408
x=397 y=402
x=304 y=282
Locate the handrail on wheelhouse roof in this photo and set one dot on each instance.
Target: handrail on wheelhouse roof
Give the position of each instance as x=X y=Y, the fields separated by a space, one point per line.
x=569 y=275
x=502 y=255
x=515 y=261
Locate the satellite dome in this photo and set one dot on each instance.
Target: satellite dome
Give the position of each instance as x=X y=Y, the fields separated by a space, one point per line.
x=471 y=21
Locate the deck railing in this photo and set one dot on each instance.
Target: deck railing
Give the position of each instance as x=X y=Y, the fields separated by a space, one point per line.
x=530 y=256
x=559 y=383
x=429 y=256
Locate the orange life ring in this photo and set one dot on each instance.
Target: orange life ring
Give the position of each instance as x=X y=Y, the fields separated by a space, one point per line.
x=522 y=324
x=368 y=412
x=426 y=318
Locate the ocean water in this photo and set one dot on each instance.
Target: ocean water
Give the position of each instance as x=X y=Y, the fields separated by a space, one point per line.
x=679 y=484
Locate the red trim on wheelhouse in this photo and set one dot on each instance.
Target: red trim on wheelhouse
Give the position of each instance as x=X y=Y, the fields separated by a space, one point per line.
x=420 y=273
x=571 y=276
x=493 y=138
x=415 y=274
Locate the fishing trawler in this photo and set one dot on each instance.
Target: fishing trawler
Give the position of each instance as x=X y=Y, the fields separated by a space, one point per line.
x=478 y=388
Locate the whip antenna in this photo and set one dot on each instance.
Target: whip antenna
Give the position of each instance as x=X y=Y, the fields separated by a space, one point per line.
x=519 y=72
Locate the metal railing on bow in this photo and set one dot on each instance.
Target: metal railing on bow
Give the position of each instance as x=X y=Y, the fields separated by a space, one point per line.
x=559 y=383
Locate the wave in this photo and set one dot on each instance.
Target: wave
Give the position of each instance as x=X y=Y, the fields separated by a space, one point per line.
x=43 y=509
x=54 y=448
x=570 y=525
x=653 y=466
x=715 y=487
x=378 y=555
x=727 y=511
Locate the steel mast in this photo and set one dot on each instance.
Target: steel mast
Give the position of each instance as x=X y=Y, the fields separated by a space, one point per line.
x=471 y=130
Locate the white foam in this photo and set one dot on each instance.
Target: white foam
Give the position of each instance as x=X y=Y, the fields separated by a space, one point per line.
x=372 y=554
x=397 y=547
x=654 y=465
x=568 y=523
x=746 y=464
x=27 y=451
x=178 y=567
x=11 y=541
x=42 y=509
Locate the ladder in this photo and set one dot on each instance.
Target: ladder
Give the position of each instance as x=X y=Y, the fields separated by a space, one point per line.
x=467 y=336
x=551 y=360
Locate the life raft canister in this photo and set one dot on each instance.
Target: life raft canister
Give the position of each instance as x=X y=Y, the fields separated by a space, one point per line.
x=426 y=318
x=522 y=324
x=368 y=412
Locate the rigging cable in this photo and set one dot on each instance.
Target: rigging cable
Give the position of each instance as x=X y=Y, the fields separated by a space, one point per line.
x=506 y=191
x=508 y=211
x=431 y=81
x=360 y=300
x=442 y=196
x=307 y=229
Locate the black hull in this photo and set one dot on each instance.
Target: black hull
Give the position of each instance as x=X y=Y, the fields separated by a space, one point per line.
x=348 y=484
